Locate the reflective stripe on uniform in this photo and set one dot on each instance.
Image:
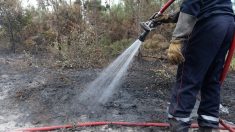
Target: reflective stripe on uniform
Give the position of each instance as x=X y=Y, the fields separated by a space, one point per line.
x=210 y=118
x=187 y=119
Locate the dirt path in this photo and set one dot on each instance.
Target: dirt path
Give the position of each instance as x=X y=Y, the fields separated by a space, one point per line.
x=36 y=96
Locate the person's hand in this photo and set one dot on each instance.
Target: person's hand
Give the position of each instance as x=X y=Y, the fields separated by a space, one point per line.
x=167 y=18
x=163 y=18
x=174 y=54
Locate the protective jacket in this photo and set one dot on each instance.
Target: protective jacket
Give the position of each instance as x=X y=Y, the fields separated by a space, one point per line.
x=192 y=11
x=205 y=8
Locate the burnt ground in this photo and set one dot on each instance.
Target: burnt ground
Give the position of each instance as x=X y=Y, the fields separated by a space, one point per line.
x=32 y=95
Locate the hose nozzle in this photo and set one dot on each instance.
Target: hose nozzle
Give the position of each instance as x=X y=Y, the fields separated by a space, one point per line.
x=149 y=25
x=143 y=35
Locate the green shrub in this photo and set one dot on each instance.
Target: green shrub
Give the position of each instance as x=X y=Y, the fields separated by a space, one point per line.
x=117 y=47
x=105 y=41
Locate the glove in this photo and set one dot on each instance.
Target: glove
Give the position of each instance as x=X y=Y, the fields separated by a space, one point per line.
x=174 y=53
x=167 y=18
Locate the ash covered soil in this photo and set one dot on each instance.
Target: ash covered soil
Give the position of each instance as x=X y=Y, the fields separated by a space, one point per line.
x=32 y=96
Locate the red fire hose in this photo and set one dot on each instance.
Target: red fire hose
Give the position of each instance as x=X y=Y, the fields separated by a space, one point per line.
x=228 y=127
x=166 y=6
x=228 y=61
x=89 y=124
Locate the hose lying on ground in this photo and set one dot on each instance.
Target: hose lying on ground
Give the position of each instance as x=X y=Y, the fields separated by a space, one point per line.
x=223 y=126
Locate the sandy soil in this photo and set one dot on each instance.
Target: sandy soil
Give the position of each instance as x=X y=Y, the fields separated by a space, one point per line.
x=35 y=96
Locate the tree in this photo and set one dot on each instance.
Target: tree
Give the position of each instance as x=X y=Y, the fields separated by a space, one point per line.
x=6 y=13
x=13 y=20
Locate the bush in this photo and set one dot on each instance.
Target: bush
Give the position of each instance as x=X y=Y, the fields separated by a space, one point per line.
x=117 y=47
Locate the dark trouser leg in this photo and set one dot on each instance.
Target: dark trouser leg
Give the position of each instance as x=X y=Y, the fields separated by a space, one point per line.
x=203 y=47
x=208 y=111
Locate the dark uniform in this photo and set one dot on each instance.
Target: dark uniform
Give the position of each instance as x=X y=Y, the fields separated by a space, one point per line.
x=204 y=52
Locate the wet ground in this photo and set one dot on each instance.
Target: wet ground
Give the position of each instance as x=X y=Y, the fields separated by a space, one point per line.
x=31 y=95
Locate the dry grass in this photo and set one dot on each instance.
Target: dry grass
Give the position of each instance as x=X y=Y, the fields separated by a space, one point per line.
x=232 y=66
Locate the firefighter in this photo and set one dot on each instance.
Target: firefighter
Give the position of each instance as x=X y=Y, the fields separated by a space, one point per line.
x=199 y=44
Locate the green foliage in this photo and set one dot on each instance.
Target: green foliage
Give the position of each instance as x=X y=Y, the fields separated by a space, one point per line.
x=2 y=33
x=14 y=20
x=95 y=5
x=50 y=36
x=105 y=41
x=118 y=47
x=24 y=19
x=118 y=11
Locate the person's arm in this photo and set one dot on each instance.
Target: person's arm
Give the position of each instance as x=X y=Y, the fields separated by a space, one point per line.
x=187 y=19
x=184 y=26
x=189 y=11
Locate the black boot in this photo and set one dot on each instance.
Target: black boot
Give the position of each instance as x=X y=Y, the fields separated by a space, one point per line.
x=178 y=126
x=207 y=129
